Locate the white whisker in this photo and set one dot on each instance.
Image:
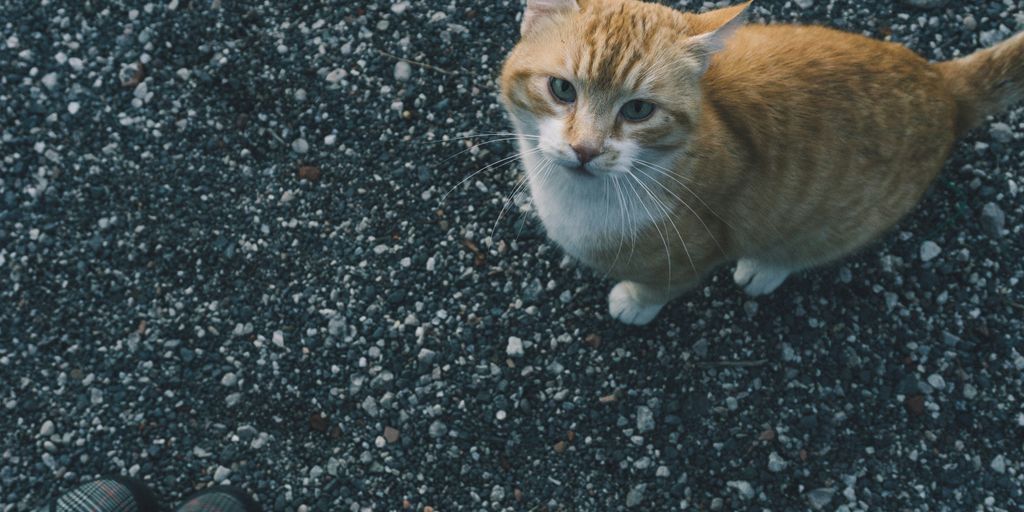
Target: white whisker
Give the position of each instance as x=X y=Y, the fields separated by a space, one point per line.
x=482 y=169
x=694 y=212
x=471 y=148
x=668 y=215
x=511 y=135
x=542 y=177
x=654 y=220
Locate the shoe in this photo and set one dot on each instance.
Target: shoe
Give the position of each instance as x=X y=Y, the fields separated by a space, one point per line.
x=220 y=499
x=108 y=494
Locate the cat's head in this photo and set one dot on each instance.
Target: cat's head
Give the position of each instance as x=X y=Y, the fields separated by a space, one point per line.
x=597 y=85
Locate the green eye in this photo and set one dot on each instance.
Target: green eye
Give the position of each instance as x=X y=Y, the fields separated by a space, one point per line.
x=637 y=110
x=562 y=90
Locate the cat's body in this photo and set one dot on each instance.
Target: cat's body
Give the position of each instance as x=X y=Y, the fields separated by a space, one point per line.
x=791 y=147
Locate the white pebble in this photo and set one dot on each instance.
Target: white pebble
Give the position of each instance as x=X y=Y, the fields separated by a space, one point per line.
x=74 y=107
x=300 y=146
x=47 y=429
x=930 y=250
x=776 y=463
x=514 y=347
x=745 y=490
x=50 y=80
x=403 y=71
x=220 y=474
x=998 y=464
x=278 y=339
x=337 y=75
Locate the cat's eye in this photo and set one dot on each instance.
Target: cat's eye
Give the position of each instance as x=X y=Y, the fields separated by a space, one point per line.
x=637 y=110
x=562 y=90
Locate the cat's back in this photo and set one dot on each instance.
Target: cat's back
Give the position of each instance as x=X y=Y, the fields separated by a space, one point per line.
x=829 y=129
x=799 y=85
x=782 y=55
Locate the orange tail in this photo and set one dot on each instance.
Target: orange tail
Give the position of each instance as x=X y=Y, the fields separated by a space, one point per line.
x=986 y=82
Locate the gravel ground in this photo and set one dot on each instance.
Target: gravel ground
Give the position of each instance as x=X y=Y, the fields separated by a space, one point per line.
x=226 y=256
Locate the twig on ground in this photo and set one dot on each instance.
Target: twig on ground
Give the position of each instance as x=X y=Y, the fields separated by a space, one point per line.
x=733 y=364
x=423 y=65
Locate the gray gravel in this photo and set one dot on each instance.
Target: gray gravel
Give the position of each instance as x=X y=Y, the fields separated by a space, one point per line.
x=224 y=257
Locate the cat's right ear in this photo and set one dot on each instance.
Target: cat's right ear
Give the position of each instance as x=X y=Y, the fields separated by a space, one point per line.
x=539 y=11
x=715 y=28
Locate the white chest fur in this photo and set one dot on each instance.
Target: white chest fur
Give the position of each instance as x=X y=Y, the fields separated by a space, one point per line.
x=583 y=214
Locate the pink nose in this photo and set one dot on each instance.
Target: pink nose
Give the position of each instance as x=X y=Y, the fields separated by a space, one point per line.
x=585 y=153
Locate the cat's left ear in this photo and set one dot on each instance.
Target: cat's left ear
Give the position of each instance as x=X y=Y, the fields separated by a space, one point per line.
x=538 y=11
x=714 y=29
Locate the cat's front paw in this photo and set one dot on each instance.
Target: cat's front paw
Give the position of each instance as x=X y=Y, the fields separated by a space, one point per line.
x=625 y=305
x=758 y=278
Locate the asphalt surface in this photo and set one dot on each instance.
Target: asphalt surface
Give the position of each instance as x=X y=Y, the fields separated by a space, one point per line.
x=226 y=256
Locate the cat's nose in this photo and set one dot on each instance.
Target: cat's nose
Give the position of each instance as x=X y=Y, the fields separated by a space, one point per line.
x=585 y=153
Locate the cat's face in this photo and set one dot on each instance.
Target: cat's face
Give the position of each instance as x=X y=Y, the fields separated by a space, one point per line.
x=599 y=87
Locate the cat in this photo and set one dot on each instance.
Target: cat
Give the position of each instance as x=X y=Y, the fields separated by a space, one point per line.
x=660 y=144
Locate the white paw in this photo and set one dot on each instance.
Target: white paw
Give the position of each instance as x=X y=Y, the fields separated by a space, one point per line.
x=758 y=278
x=624 y=306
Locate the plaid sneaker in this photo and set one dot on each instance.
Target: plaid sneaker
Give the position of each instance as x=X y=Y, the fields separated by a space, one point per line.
x=109 y=494
x=219 y=499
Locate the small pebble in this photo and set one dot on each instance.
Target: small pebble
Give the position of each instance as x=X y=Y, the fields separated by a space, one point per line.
x=776 y=463
x=514 y=347
x=930 y=250
x=403 y=71
x=635 y=496
x=644 y=419
x=220 y=474
x=993 y=219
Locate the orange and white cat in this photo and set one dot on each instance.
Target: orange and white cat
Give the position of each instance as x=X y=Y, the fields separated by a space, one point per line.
x=660 y=144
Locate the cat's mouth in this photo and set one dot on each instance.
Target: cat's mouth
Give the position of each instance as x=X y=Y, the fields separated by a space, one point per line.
x=581 y=171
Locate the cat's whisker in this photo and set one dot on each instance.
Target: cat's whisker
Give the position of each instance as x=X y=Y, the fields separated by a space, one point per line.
x=675 y=177
x=654 y=220
x=505 y=204
x=668 y=215
x=474 y=146
x=511 y=135
x=685 y=204
x=486 y=167
x=630 y=221
x=607 y=200
x=613 y=184
x=542 y=178
x=667 y=171
x=512 y=197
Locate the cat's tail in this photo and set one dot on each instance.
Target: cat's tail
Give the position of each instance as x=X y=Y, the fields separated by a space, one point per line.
x=986 y=82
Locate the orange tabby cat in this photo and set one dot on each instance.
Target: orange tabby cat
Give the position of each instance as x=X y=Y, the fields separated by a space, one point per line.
x=659 y=144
